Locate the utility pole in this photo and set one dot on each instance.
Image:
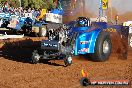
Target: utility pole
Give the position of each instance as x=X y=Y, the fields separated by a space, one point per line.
x=83 y=6
x=100 y=9
x=83 y=1
x=111 y=11
x=20 y=7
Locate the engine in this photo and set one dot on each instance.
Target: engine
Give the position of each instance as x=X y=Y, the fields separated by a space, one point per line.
x=58 y=41
x=60 y=34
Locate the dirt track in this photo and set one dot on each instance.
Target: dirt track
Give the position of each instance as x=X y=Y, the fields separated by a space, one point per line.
x=17 y=72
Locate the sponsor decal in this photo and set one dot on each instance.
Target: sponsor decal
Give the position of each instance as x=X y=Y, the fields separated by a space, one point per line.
x=49 y=45
x=83 y=50
x=84 y=42
x=110 y=30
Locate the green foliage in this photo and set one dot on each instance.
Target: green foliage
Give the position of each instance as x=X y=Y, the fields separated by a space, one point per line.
x=14 y=3
x=48 y=4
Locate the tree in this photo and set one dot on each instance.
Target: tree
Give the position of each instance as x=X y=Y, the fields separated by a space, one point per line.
x=47 y=4
x=14 y=3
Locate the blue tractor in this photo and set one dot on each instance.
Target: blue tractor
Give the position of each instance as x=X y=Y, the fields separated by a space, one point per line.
x=4 y=19
x=83 y=37
x=20 y=24
x=16 y=23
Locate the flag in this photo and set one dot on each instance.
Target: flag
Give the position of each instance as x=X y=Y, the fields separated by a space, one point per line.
x=104 y=4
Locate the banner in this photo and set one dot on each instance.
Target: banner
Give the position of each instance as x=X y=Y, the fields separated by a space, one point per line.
x=53 y=17
x=104 y=4
x=28 y=15
x=129 y=23
x=130 y=37
x=130 y=41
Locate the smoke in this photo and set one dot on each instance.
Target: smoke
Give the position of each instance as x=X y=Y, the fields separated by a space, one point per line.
x=122 y=6
x=92 y=6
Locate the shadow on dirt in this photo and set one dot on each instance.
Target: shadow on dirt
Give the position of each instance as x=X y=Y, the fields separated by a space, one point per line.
x=21 y=50
x=85 y=57
x=51 y=62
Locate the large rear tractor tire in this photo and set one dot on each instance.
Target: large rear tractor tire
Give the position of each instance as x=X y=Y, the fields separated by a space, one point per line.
x=103 y=47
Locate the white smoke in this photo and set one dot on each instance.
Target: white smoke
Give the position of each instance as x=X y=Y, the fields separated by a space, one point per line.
x=122 y=6
x=92 y=6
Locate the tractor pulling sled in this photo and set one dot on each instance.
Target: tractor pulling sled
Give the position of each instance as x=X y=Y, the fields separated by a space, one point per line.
x=80 y=38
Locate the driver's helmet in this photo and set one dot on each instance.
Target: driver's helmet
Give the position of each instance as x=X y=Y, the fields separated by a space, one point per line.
x=83 y=21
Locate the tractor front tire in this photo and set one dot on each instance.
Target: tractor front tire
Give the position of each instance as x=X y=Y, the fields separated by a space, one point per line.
x=103 y=47
x=35 y=57
x=68 y=60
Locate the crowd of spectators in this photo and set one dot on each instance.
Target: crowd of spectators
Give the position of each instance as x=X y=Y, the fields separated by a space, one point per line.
x=20 y=11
